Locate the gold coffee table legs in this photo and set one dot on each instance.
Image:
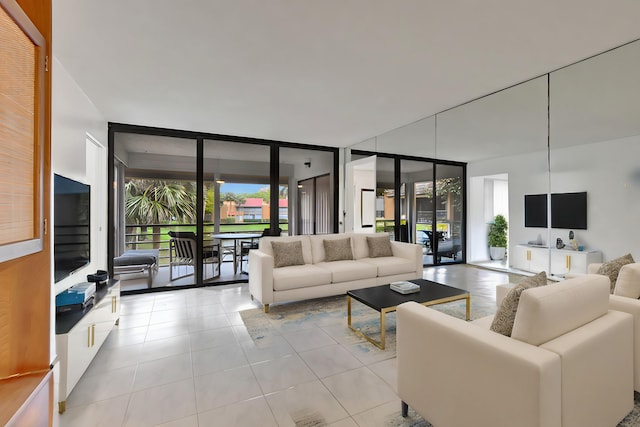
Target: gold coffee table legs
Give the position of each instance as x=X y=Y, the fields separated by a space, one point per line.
x=383 y=328
x=384 y=311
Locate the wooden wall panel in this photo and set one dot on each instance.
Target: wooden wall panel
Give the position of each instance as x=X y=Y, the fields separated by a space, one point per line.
x=25 y=292
x=25 y=283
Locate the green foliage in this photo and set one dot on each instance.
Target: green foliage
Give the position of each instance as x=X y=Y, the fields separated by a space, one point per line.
x=239 y=199
x=150 y=201
x=498 y=232
x=209 y=201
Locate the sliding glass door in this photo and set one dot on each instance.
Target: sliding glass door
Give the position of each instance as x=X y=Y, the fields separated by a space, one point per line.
x=421 y=201
x=221 y=192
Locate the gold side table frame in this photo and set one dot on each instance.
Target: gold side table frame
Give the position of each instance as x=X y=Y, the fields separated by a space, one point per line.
x=384 y=311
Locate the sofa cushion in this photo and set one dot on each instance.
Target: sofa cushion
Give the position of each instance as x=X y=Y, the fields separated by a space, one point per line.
x=265 y=245
x=628 y=282
x=546 y=312
x=388 y=266
x=346 y=271
x=318 y=254
x=379 y=246
x=299 y=276
x=612 y=268
x=506 y=313
x=359 y=244
x=337 y=249
x=287 y=253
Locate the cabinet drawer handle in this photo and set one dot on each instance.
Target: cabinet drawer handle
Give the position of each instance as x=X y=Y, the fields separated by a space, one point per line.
x=113 y=304
x=93 y=335
x=89 y=336
x=568 y=262
x=528 y=255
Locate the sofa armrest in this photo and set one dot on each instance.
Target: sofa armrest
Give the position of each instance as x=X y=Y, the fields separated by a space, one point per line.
x=443 y=361
x=409 y=251
x=597 y=367
x=631 y=306
x=593 y=268
x=261 y=276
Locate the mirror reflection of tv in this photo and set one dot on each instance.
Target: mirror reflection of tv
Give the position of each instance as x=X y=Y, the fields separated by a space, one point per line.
x=535 y=210
x=569 y=210
x=71 y=225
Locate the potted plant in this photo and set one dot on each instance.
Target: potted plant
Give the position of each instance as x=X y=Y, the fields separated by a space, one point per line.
x=498 y=237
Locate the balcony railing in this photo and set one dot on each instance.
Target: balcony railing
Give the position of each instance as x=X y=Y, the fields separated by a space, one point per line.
x=156 y=236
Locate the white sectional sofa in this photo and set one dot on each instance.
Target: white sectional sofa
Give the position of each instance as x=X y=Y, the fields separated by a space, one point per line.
x=318 y=278
x=567 y=363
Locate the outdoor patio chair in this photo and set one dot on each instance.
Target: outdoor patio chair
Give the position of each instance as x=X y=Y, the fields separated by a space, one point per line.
x=182 y=252
x=246 y=246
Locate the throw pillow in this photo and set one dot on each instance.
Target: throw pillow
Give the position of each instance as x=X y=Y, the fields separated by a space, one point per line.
x=506 y=313
x=379 y=246
x=287 y=253
x=612 y=268
x=337 y=249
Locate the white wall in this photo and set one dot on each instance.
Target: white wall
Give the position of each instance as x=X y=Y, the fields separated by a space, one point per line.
x=359 y=174
x=610 y=174
x=78 y=137
x=528 y=174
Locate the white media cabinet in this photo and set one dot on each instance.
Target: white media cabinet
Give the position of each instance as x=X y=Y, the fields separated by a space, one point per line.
x=80 y=333
x=556 y=262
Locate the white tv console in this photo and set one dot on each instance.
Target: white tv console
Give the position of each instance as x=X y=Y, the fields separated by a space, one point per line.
x=556 y=262
x=80 y=333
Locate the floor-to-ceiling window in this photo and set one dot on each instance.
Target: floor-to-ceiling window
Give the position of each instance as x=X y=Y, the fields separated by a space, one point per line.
x=307 y=187
x=156 y=194
x=449 y=209
x=429 y=207
x=237 y=186
x=223 y=192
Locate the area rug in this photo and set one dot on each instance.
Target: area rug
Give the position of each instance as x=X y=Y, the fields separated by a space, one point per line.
x=331 y=314
x=415 y=420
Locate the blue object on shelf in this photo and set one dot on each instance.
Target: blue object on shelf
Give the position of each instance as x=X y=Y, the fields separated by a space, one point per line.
x=76 y=294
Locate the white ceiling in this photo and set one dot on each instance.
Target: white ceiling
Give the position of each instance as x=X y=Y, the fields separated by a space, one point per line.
x=330 y=72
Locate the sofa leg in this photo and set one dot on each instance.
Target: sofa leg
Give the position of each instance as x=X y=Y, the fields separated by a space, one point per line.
x=266 y=308
x=405 y=409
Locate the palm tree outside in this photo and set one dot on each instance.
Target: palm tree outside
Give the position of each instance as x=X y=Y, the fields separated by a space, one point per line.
x=150 y=201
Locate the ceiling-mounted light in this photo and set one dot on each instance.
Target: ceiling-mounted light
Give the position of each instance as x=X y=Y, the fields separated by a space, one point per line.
x=220 y=181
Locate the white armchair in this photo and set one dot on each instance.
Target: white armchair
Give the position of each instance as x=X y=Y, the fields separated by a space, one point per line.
x=625 y=298
x=568 y=362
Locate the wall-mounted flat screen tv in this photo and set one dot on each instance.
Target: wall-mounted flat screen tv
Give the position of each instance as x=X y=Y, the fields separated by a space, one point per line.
x=71 y=226
x=535 y=210
x=569 y=210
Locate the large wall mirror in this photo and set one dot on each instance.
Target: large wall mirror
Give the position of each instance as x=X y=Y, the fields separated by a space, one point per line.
x=503 y=139
x=404 y=171
x=595 y=149
x=554 y=155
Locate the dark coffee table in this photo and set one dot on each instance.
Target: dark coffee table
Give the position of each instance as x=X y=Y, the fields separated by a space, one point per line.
x=384 y=300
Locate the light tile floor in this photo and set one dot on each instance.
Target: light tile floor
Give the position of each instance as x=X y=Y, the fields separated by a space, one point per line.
x=184 y=358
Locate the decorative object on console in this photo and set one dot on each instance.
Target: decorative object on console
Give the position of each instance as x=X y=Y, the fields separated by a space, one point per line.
x=612 y=268
x=572 y=241
x=498 y=237
x=559 y=243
